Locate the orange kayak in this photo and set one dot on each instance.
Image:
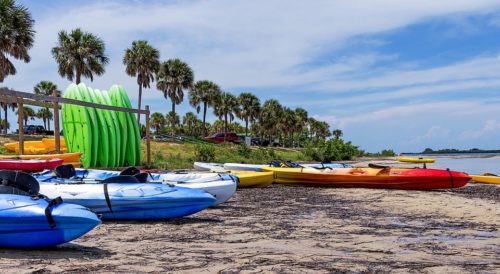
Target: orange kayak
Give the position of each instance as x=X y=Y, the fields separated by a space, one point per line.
x=66 y=157
x=388 y=178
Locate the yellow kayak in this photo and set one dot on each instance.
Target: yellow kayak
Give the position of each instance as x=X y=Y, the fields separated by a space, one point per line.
x=66 y=157
x=46 y=145
x=254 y=179
x=486 y=179
x=416 y=160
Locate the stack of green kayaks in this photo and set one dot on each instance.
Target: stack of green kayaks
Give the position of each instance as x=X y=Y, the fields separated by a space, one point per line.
x=106 y=138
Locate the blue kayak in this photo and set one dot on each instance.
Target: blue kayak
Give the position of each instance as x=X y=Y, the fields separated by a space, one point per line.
x=123 y=197
x=25 y=222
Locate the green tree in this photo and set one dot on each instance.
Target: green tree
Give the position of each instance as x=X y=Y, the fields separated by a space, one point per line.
x=172 y=119
x=157 y=122
x=226 y=107
x=46 y=115
x=205 y=92
x=16 y=36
x=143 y=61
x=172 y=79
x=190 y=121
x=249 y=108
x=5 y=107
x=28 y=113
x=79 y=54
x=301 y=117
x=337 y=133
x=46 y=88
x=271 y=112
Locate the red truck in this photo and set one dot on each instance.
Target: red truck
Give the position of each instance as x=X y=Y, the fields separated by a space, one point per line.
x=219 y=138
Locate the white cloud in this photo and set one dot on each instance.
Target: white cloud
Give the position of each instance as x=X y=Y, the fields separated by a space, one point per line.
x=490 y=127
x=433 y=133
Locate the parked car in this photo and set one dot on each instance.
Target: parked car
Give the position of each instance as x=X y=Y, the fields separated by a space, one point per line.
x=36 y=130
x=219 y=138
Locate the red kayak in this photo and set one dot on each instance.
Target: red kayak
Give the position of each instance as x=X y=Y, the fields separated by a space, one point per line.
x=385 y=177
x=29 y=165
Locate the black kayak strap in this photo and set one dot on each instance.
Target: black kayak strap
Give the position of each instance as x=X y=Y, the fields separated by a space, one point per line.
x=48 y=210
x=451 y=179
x=106 y=196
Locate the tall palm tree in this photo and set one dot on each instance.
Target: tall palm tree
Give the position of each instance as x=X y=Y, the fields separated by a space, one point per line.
x=190 y=120
x=172 y=79
x=301 y=116
x=28 y=113
x=143 y=61
x=249 y=108
x=46 y=115
x=158 y=122
x=226 y=106
x=203 y=92
x=271 y=112
x=5 y=107
x=287 y=124
x=79 y=54
x=16 y=36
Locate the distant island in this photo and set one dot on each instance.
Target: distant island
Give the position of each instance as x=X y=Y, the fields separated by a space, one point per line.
x=451 y=151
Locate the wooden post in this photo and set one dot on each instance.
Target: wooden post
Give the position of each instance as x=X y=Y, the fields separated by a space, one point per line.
x=148 y=141
x=20 y=111
x=56 y=123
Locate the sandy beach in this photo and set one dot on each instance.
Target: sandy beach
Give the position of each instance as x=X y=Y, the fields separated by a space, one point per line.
x=295 y=229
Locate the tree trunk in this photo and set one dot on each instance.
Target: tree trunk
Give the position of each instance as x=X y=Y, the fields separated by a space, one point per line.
x=225 y=127
x=5 y=116
x=204 y=115
x=48 y=124
x=246 y=127
x=78 y=75
x=173 y=117
x=139 y=105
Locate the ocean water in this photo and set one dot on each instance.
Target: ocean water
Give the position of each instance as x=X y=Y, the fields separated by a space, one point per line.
x=469 y=163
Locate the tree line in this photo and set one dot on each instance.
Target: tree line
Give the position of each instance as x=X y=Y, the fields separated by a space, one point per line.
x=80 y=54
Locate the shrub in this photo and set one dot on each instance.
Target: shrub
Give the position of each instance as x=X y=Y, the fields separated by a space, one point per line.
x=204 y=153
x=331 y=150
x=244 y=151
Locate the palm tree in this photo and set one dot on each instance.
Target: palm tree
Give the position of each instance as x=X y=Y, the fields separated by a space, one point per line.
x=172 y=119
x=203 y=92
x=79 y=54
x=172 y=79
x=5 y=107
x=158 y=122
x=249 y=108
x=287 y=124
x=270 y=114
x=301 y=116
x=28 y=113
x=190 y=120
x=16 y=36
x=337 y=133
x=46 y=115
x=46 y=88
x=143 y=61
x=225 y=107
x=4 y=125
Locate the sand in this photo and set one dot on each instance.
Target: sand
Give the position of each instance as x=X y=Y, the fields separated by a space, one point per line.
x=295 y=229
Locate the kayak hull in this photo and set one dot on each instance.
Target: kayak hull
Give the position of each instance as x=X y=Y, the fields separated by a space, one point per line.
x=485 y=179
x=221 y=186
x=131 y=201
x=29 y=165
x=406 y=179
x=23 y=223
x=254 y=179
x=255 y=167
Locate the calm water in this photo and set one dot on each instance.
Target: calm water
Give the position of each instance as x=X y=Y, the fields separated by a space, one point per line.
x=470 y=163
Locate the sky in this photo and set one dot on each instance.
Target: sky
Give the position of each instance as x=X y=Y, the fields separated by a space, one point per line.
x=404 y=75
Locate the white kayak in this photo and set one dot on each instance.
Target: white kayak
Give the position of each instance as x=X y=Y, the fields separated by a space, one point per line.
x=221 y=186
x=257 y=167
x=213 y=167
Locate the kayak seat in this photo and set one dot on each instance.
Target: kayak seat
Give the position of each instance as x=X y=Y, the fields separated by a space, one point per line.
x=120 y=179
x=132 y=170
x=142 y=177
x=65 y=171
x=16 y=182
